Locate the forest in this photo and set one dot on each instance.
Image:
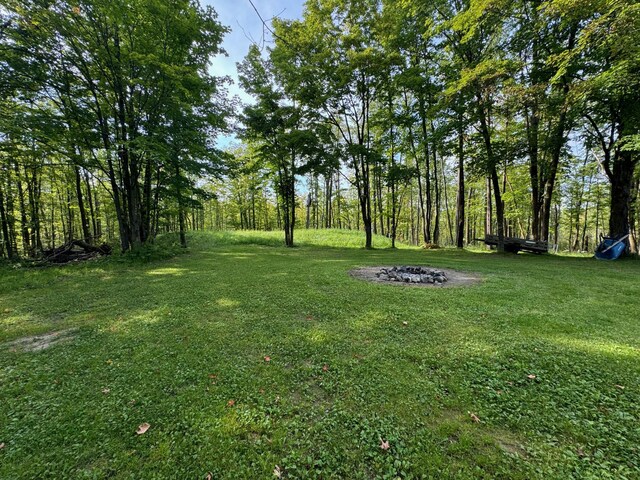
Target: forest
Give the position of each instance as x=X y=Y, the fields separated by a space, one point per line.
x=430 y=123
x=159 y=160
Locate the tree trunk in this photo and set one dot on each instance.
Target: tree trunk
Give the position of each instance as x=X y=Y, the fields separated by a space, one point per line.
x=493 y=172
x=533 y=122
x=338 y=207
x=436 y=188
x=633 y=238
x=6 y=237
x=470 y=219
x=499 y=207
x=92 y=211
x=427 y=180
x=460 y=197
x=33 y=189
x=621 y=179
x=24 y=224
x=147 y=202
x=328 y=199
x=488 y=212
x=309 y=201
x=83 y=212
x=364 y=197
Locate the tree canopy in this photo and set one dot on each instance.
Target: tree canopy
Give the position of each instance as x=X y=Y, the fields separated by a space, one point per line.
x=432 y=123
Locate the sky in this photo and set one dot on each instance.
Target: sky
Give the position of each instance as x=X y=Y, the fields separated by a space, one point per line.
x=247 y=28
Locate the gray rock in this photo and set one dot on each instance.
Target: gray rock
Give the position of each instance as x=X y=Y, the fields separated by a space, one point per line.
x=412 y=274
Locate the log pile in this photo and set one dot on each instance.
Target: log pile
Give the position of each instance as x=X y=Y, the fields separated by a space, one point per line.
x=412 y=275
x=75 y=251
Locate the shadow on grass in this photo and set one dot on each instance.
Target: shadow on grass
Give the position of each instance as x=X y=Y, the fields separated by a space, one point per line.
x=174 y=342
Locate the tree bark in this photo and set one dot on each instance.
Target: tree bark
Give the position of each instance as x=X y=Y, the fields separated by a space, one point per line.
x=183 y=237
x=6 y=237
x=428 y=208
x=621 y=178
x=436 y=188
x=24 y=224
x=86 y=233
x=460 y=203
x=493 y=172
x=633 y=238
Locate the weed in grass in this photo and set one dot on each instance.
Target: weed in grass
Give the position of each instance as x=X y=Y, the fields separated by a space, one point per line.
x=170 y=341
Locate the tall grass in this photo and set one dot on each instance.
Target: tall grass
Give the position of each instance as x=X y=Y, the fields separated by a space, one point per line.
x=332 y=238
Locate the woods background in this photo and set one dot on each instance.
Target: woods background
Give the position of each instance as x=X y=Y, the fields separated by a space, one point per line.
x=429 y=123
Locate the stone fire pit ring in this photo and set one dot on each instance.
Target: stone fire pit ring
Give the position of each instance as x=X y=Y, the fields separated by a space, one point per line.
x=416 y=276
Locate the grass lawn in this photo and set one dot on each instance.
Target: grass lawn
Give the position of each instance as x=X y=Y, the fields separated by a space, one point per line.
x=545 y=353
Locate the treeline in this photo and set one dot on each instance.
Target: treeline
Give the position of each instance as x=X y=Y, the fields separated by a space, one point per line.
x=452 y=118
x=428 y=122
x=248 y=200
x=108 y=117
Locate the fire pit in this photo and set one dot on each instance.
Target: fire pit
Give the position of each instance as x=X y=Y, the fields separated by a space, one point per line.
x=416 y=276
x=412 y=275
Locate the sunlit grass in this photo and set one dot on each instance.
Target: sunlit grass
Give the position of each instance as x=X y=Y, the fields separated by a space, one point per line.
x=302 y=237
x=545 y=352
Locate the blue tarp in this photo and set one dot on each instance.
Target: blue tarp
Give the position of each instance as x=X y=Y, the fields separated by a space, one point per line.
x=609 y=249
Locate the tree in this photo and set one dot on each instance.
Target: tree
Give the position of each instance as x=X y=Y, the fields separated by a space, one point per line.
x=549 y=111
x=112 y=74
x=338 y=81
x=607 y=51
x=287 y=140
x=474 y=35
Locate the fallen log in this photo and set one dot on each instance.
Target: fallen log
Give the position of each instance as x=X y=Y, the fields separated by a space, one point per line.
x=75 y=251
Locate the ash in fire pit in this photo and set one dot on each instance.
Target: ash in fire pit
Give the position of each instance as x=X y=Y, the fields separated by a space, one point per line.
x=412 y=275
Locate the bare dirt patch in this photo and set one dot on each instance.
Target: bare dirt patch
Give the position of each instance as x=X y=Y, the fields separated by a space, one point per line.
x=455 y=278
x=37 y=343
x=512 y=447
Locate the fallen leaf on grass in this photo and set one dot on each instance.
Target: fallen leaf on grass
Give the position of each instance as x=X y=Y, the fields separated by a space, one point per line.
x=384 y=445
x=209 y=476
x=277 y=472
x=106 y=390
x=267 y=358
x=325 y=367
x=474 y=417
x=531 y=376
x=231 y=403
x=621 y=387
x=143 y=428
x=213 y=376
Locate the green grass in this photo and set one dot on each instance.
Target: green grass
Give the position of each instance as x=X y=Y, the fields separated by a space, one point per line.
x=153 y=333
